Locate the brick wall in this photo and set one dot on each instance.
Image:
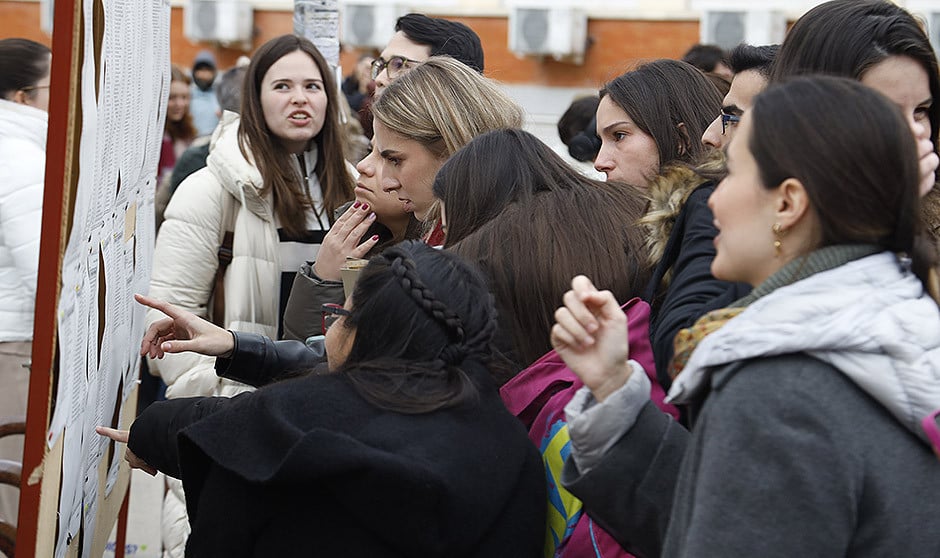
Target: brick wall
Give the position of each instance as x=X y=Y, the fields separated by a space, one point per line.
x=615 y=44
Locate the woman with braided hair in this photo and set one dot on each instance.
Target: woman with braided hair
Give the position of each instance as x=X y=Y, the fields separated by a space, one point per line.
x=392 y=453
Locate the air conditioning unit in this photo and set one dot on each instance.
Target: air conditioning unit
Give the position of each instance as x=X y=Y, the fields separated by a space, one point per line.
x=368 y=24
x=557 y=32
x=224 y=21
x=728 y=29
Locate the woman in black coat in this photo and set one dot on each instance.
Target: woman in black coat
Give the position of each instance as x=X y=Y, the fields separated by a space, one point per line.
x=403 y=449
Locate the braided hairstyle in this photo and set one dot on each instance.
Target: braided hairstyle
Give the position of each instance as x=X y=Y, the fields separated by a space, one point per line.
x=425 y=324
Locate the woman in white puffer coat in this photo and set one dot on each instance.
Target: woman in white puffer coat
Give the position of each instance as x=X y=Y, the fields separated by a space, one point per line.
x=24 y=100
x=273 y=178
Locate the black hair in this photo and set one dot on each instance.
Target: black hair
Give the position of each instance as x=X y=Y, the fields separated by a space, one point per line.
x=228 y=89
x=706 y=57
x=853 y=152
x=586 y=144
x=847 y=37
x=746 y=57
x=22 y=64
x=444 y=37
x=576 y=128
x=424 y=324
x=659 y=96
x=531 y=222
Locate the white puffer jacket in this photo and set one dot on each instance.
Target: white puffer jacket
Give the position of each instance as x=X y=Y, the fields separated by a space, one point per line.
x=22 y=167
x=223 y=196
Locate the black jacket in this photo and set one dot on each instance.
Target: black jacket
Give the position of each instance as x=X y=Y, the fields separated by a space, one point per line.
x=307 y=467
x=258 y=360
x=693 y=290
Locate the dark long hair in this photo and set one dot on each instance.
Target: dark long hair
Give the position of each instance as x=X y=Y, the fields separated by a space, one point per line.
x=847 y=37
x=552 y=224
x=277 y=170
x=424 y=325
x=182 y=129
x=662 y=94
x=22 y=64
x=853 y=152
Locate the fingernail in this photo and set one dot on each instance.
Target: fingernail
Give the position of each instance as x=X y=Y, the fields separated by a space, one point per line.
x=375 y=237
x=356 y=205
x=371 y=216
x=365 y=207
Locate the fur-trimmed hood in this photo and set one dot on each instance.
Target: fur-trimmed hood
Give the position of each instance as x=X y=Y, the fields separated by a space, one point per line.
x=667 y=195
x=930 y=213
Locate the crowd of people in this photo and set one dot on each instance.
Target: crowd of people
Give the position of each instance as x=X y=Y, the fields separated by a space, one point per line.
x=728 y=346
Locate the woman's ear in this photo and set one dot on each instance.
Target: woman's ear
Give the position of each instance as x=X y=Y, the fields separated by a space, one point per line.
x=20 y=97
x=792 y=203
x=684 y=140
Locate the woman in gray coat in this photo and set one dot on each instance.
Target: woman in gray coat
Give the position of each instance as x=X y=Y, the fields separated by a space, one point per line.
x=808 y=394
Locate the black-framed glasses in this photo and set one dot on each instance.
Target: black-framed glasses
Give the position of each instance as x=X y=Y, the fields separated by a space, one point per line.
x=728 y=120
x=330 y=314
x=395 y=66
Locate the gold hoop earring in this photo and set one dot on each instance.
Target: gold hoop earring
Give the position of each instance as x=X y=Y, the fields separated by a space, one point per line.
x=778 y=246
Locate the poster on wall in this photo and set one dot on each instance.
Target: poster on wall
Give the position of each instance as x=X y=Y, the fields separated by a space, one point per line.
x=124 y=86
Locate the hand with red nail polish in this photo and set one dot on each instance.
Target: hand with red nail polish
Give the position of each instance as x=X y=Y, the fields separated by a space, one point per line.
x=342 y=241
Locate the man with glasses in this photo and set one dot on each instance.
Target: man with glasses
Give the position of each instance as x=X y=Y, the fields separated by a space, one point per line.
x=751 y=65
x=418 y=37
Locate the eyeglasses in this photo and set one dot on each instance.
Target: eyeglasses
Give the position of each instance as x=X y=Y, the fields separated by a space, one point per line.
x=728 y=120
x=395 y=66
x=931 y=426
x=330 y=314
x=33 y=87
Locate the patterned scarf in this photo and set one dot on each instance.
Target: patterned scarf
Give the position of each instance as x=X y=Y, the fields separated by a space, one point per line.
x=688 y=339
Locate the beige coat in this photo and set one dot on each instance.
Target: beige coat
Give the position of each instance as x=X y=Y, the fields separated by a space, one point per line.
x=223 y=196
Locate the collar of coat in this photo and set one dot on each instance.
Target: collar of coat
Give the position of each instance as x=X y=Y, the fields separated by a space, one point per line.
x=238 y=175
x=870 y=318
x=667 y=194
x=23 y=121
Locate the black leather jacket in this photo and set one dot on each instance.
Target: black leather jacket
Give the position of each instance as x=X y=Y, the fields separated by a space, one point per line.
x=258 y=360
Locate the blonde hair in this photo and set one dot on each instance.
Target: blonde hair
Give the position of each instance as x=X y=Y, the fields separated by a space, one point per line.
x=443 y=104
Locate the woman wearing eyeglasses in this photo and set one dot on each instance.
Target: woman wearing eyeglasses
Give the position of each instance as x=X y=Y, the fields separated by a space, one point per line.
x=403 y=449
x=24 y=102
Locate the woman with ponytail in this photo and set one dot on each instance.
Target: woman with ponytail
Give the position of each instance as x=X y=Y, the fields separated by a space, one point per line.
x=810 y=394
x=403 y=449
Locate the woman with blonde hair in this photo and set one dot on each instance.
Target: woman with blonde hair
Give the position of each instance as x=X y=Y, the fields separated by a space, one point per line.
x=423 y=118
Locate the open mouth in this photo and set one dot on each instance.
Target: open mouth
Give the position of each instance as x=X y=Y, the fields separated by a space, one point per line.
x=299 y=116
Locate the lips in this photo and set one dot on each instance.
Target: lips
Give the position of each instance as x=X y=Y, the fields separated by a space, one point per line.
x=299 y=116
